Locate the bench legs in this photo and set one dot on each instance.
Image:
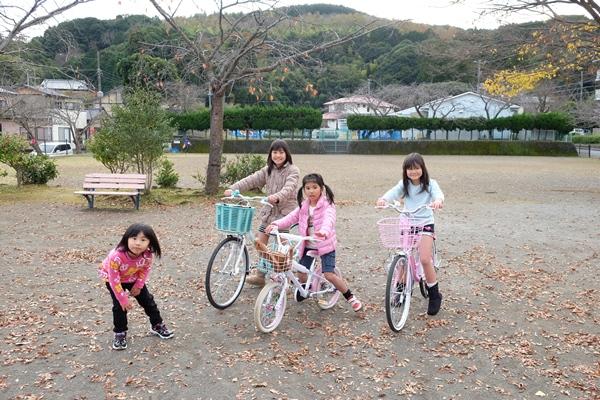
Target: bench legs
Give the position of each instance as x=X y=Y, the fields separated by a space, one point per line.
x=136 y=201
x=90 y=200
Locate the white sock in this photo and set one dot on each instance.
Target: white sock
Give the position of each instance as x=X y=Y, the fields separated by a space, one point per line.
x=431 y=284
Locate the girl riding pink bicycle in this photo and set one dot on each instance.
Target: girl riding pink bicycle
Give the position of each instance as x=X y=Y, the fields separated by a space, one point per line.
x=416 y=189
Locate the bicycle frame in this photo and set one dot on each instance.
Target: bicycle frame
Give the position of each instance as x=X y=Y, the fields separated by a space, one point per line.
x=297 y=267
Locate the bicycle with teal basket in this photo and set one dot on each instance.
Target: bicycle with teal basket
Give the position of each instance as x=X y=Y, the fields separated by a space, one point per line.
x=402 y=235
x=229 y=263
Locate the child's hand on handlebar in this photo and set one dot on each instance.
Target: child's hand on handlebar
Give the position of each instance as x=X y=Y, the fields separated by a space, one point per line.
x=437 y=204
x=227 y=193
x=381 y=203
x=272 y=199
x=269 y=228
x=320 y=235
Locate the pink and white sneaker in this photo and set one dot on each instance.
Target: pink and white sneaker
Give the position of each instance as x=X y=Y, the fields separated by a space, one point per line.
x=355 y=303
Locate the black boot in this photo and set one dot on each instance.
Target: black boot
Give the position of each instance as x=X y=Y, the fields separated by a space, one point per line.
x=435 y=300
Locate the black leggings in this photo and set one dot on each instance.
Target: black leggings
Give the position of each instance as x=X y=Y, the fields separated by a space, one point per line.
x=145 y=299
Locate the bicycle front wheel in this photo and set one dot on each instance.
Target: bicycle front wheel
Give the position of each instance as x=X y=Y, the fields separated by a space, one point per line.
x=398 y=293
x=270 y=307
x=326 y=300
x=226 y=272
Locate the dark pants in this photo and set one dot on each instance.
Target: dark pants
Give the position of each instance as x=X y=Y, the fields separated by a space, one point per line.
x=145 y=299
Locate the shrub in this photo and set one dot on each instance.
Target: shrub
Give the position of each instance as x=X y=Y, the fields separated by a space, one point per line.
x=241 y=167
x=167 y=177
x=29 y=169
x=38 y=170
x=593 y=139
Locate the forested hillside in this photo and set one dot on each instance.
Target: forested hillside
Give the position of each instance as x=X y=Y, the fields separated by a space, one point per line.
x=136 y=50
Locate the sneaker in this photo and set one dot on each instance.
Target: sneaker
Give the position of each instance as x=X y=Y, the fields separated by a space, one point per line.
x=256 y=278
x=355 y=303
x=120 y=341
x=161 y=331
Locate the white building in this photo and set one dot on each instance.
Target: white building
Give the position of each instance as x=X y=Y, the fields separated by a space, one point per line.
x=464 y=105
x=338 y=110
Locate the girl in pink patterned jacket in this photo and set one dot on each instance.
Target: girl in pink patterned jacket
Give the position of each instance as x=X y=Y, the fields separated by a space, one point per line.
x=125 y=271
x=315 y=216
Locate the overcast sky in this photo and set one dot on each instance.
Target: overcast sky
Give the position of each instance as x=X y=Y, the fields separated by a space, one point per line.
x=466 y=15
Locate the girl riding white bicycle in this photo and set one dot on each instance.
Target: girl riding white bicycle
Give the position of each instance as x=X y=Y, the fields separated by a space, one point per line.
x=416 y=189
x=316 y=216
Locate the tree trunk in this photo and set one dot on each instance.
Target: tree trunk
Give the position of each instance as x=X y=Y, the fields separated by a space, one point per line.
x=213 y=171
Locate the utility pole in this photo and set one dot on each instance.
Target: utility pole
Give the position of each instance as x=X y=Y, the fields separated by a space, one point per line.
x=581 y=87
x=478 y=62
x=369 y=86
x=597 y=83
x=99 y=75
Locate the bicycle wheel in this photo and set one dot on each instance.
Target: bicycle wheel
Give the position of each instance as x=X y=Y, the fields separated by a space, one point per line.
x=423 y=288
x=326 y=300
x=398 y=293
x=226 y=272
x=270 y=307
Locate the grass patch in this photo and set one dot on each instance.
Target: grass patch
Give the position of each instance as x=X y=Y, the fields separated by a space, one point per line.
x=173 y=196
x=60 y=195
x=37 y=194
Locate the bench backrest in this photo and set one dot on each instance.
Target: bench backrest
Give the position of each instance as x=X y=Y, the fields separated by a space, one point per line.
x=115 y=181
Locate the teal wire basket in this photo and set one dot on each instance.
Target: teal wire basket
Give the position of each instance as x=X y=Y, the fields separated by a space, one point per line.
x=234 y=219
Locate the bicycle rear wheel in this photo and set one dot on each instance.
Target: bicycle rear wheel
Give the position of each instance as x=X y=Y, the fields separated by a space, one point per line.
x=270 y=307
x=398 y=293
x=226 y=272
x=326 y=300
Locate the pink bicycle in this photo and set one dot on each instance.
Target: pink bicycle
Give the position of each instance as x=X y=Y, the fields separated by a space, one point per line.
x=402 y=234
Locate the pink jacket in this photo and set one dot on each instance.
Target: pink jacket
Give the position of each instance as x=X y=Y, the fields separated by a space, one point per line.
x=119 y=268
x=323 y=221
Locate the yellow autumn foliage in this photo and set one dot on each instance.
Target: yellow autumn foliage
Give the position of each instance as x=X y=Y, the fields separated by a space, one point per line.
x=509 y=83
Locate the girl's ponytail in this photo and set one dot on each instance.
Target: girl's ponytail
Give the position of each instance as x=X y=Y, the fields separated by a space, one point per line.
x=300 y=196
x=329 y=193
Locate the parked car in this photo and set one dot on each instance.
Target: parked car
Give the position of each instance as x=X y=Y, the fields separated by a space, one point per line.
x=54 y=149
x=580 y=131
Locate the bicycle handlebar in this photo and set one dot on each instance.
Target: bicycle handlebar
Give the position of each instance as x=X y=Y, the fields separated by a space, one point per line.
x=235 y=195
x=293 y=238
x=397 y=207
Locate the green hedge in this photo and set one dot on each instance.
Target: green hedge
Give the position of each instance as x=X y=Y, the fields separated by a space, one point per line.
x=556 y=121
x=254 y=117
x=586 y=139
x=441 y=147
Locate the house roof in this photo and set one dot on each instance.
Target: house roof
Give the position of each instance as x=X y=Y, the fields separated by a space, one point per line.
x=361 y=100
x=38 y=89
x=5 y=91
x=412 y=110
x=64 y=84
x=488 y=98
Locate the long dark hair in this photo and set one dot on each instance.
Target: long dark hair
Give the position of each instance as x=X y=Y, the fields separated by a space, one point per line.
x=133 y=231
x=415 y=160
x=318 y=179
x=278 y=145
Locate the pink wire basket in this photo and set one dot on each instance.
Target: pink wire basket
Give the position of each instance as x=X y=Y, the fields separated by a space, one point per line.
x=399 y=232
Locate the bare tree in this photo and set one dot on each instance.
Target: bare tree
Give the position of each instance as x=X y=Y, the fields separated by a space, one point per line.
x=16 y=16
x=587 y=113
x=244 y=47
x=31 y=112
x=72 y=113
x=181 y=96
x=424 y=96
x=546 y=7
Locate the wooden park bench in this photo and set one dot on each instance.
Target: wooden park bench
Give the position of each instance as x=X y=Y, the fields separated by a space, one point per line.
x=131 y=185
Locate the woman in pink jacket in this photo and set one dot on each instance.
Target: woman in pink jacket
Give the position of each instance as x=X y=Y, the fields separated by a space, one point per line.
x=315 y=216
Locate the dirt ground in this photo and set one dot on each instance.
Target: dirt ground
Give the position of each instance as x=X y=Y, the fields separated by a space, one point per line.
x=520 y=241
